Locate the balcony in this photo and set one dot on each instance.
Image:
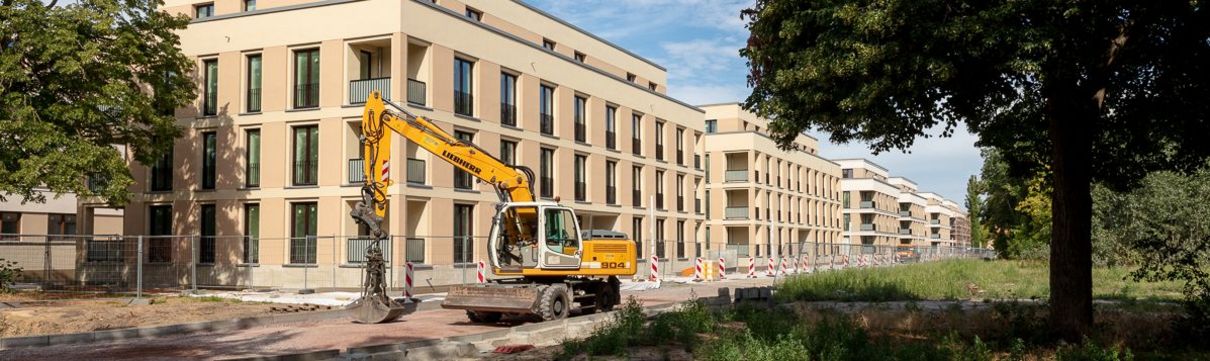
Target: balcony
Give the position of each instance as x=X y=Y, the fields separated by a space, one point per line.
x=306 y=95
x=659 y=201
x=547 y=187
x=415 y=171
x=680 y=157
x=253 y=101
x=866 y=204
x=935 y=221
x=508 y=114
x=357 y=171
x=417 y=92
x=546 y=124
x=636 y=198
x=359 y=90
x=905 y=213
x=96 y=184
x=581 y=192
x=935 y=236
x=867 y=227
x=736 y=213
x=905 y=231
x=697 y=206
x=740 y=175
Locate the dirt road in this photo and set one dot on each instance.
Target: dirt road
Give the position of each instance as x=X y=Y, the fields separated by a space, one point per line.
x=430 y=322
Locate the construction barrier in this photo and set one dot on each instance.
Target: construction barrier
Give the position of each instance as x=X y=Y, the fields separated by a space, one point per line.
x=751 y=267
x=769 y=271
x=722 y=268
x=783 y=266
x=408 y=275
x=655 y=269
x=697 y=270
x=480 y=269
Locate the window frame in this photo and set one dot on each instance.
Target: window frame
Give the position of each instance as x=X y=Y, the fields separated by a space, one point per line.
x=312 y=89
x=310 y=161
x=546 y=174
x=197 y=10
x=464 y=86
x=252 y=158
x=209 y=160
x=253 y=94
x=508 y=99
x=209 y=87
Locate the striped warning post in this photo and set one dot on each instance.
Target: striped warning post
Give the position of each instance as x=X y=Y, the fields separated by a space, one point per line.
x=655 y=269
x=386 y=171
x=480 y=270
x=697 y=270
x=751 y=267
x=783 y=266
x=408 y=276
x=722 y=268
x=770 y=270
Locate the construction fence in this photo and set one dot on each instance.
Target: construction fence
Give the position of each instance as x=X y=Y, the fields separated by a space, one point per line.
x=135 y=264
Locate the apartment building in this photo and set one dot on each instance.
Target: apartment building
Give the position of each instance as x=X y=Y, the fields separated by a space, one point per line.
x=941 y=213
x=870 y=203
x=271 y=157
x=960 y=230
x=762 y=200
x=913 y=226
x=55 y=217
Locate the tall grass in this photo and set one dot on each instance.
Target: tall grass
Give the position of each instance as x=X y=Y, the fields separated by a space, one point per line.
x=961 y=279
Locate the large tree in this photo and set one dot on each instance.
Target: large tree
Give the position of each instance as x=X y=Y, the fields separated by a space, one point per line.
x=974 y=211
x=77 y=82
x=1093 y=90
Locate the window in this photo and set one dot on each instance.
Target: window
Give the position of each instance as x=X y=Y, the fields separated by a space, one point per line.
x=203 y=11
x=508 y=99
x=462 y=179
x=659 y=189
x=463 y=233
x=580 y=178
x=581 y=129
x=846 y=173
x=680 y=146
x=210 y=91
x=611 y=182
x=711 y=126
x=508 y=152
x=580 y=57
x=630 y=77
x=680 y=193
x=304 y=217
x=463 y=87
x=254 y=81
x=847 y=219
x=206 y=243
x=59 y=224
x=252 y=233
x=306 y=155
x=365 y=62
x=659 y=140
x=547 y=182
x=680 y=239
x=844 y=199
x=611 y=127
x=548 y=44
x=252 y=155
x=159 y=226
x=659 y=238
x=546 y=109
x=10 y=225
x=161 y=173
x=636 y=232
x=636 y=131
x=306 y=78
x=209 y=157
x=249 y=5
x=636 y=184
x=475 y=15
x=652 y=86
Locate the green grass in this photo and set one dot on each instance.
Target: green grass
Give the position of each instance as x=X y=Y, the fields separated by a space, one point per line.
x=956 y=279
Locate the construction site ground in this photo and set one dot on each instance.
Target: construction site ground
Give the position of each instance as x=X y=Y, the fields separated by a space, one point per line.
x=427 y=323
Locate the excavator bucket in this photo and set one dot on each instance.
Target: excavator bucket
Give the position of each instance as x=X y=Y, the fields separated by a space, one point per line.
x=519 y=300
x=371 y=310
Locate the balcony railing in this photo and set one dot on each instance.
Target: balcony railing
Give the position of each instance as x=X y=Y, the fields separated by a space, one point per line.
x=866 y=204
x=306 y=95
x=636 y=146
x=697 y=161
x=547 y=185
x=252 y=175
x=935 y=236
x=581 y=191
x=680 y=203
x=736 y=213
x=907 y=231
x=736 y=175
x=659 y=201
x=659 y=151
x=253 y=100
x=935 y=221
x=611 y=195
x=680 y=156
x=414 y=250
x=867 y=227
x=905 y=213
x=360 y=89
x=355 y=250
x=508 y=114
x=636 y=198
x=697 y=206
x=611 y=140
x=581 y=135
x=415 y=171
x=546 y=124
x=357 y=171
x=464 y=103
x=306 y=172
x=97 y=183
x=417 y=92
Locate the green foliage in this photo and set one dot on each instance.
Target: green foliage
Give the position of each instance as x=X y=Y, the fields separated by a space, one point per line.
x=10 y=271
x=1090 y=351
x=974 y=208
x=625 y=330
x=1013 y=201
x=78 y=80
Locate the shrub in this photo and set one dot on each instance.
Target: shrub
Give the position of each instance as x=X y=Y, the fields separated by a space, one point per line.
x=1090 y=351
x=9 y=272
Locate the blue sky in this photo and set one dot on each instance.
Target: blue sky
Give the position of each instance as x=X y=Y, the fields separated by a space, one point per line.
x=698 y=41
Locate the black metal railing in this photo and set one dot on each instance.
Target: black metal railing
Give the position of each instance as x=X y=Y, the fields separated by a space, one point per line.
x=359 y=90
x=546 y=124
x=659 y=201
x=581 y=135
x=508 y=114
x=306 y=95
x=417 y=92
x=253 y=100
x=697 y=206
x=581 y=191
x=415 y=171
x=659 y=151
x=355 y=250
x=414 y=250
x=252 y=175
x=611 y=141
x=357 y=173
x=251 y=249
x=680 y=157
x=303 y=250
x=548 y=186
x=464 y=103
x=636 y=146
x=97 y=183
x=680 y=203
x=611 y=195
x=636 y=197
x=697 y=161
x=306 y=172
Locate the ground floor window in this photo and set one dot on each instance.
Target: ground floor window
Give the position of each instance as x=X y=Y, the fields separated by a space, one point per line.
x=464 y=251
x=303 y=219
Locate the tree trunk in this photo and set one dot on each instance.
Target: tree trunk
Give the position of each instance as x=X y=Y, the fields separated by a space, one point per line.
x=1071 y=124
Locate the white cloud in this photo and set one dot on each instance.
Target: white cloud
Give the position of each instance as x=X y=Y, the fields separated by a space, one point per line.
x=708 y=93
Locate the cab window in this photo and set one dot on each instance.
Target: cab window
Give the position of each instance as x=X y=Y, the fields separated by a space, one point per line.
x=561 y=231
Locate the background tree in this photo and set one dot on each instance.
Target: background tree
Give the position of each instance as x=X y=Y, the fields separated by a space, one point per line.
x=974 y=210
x=75 y=81
x=1105 y=90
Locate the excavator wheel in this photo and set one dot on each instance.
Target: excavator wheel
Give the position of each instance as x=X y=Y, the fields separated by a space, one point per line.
x=554 y=302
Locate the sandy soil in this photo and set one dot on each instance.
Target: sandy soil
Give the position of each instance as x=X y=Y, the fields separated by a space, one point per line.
x=36 y=315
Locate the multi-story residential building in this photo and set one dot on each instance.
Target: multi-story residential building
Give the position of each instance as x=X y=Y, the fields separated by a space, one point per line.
x=960 y=229
x=940 y=211
x=270 y=155
x=56 y=218
x=762 y=200
x=870 y=203
x=912 y=224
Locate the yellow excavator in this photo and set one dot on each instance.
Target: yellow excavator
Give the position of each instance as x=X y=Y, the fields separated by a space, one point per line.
x=545 y=265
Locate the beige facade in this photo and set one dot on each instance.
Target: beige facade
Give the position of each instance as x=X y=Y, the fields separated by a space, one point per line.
x=880 y=210
x=913 y=227
x=59 y=215
x=762 y=200
x=453 y=62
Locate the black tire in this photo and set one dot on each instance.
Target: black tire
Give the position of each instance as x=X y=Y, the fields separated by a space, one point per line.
x=554 y=303
x=484 y=317
x=607 y=297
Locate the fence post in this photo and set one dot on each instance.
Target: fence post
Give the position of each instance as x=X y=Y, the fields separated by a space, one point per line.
x=193 y=266
x=46 y=264
x=138 y=279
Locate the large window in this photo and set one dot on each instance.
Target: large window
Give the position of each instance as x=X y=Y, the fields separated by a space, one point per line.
x=546 y=109
x=206 y=243
x=611 y=127
x=611 y=182
x=581 y=181
x=680 y=239
x=659 y=189
x=579 y=119
x=161 y=173
x=464 y=250
x=464 y=87
x=306 y=78
x=680 y=146
x=547 y=182
x=636 y=190
x=203 y=11
x=508 y=152
x=252 y=233
x=209 y=157
x=254 y=81
x=636 y=229
x=680 y=193
x=252 y=155
x=210 y=91
x=636 y=134
x=508 y=99
x=711 y=125
x=306 y=155
x=159 y=226
x=10 y=225
x=659 y=140
x=249 y=5
x=304 y=217
x=462 y=179
x=60 y=224
x=659 y=238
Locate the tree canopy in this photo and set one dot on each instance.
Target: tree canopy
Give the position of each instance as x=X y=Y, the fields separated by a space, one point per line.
x=1091 y=91
x=79 y=81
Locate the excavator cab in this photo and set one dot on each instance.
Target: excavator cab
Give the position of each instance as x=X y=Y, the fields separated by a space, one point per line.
x=535 y=236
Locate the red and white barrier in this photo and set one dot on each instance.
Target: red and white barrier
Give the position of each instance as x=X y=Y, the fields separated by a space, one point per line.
x=655 y=269
x=806 y=264
x=751 y=267
x=722 y=268
x=408 y=276
x=783 y=266
x=480 y=272
x=769 y=271
x=697 y=270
